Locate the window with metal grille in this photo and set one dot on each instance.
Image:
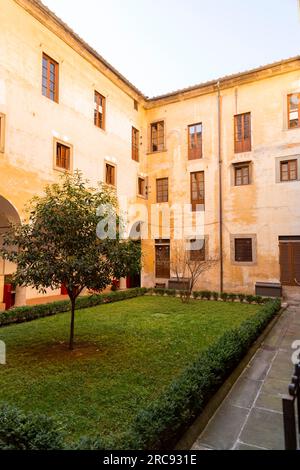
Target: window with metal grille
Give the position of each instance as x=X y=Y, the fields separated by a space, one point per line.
x=63 y=156
x=162 y=190
x=135 y=137
x=195 y=141
x=50 y=78
x=99 y=110
x=289 y=170
x=243 y=250
x=242 y=132
x=157 y=136
x=197 y=189
x=110 y=174
x=241 y=175
x=293 y=110
x=197 y=250
x=162 y=258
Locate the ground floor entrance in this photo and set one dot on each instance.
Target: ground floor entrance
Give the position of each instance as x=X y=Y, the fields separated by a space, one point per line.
x=289 y=249
x=162 y=259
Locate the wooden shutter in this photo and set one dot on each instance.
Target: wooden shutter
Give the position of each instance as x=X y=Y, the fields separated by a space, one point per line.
x=197 y=189
x=284 y=260
x=296 y=262
x=162 y=261
x=242 y=132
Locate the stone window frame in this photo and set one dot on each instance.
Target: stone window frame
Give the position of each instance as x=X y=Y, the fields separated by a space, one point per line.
x=67 y=144
x=253 y=236
x=279 y=160
x=108 y=162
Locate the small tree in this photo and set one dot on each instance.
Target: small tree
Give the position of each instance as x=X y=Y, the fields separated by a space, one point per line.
x=187 y=268
x=59 y=244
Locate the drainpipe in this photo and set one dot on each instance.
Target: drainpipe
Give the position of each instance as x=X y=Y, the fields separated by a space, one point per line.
x=220 y=190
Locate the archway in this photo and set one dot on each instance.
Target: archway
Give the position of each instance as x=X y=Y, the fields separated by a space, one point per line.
x=8 y=215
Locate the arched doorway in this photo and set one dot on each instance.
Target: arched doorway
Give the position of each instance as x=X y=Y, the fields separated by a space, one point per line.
x=8 y=215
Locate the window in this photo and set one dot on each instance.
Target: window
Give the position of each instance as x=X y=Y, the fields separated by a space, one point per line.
x=62 y=156
x=110 y=174
x=243 y=250
x=288 y=170
x=242 y=132
x=162 y=190
x=136 y=105
x=195 y=141
x=99 y=111
x=157 y=136
x=50 y=78
x=293 y=110
x=197 y=250
x=197 y=189
x=241 y=174
x=141 y=186
x=135 y=137
x=2 y=133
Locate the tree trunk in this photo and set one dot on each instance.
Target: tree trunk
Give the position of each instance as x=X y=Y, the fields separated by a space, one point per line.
x=71 y=343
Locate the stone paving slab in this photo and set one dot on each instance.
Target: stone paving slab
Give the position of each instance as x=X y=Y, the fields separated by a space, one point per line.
x=250 y=417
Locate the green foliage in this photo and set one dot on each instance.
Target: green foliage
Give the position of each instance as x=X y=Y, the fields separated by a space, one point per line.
x=206 y=294
x=232 y=297
x=28 y=432
x=250 y=298
x=241 y=297
x=196 y=294
x=215 y=295
x=224 y=296
x=160 y=424
x=170 y=292
x=25 y=314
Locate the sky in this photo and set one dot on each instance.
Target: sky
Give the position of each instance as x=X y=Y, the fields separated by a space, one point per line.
x=165 y=45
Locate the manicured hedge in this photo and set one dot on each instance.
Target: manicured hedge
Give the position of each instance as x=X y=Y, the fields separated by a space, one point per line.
x=28 y=313
x=211 y=295
x=28 y=432
x=160 y=425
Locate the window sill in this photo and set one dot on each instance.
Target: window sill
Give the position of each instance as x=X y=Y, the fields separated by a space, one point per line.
x=243 y=263
x=157 y=151
x=140 y=196
x=62 y=170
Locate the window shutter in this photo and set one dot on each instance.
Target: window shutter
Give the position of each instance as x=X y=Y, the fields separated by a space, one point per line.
x=284 y=263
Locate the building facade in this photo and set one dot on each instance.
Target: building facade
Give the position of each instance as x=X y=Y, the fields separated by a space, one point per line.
x=230 y=148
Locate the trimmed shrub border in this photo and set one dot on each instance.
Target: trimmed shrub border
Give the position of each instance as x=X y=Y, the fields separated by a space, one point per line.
x=29 y=313
x=211 y=295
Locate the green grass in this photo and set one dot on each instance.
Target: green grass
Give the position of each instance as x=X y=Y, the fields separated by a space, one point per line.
x=126 y=353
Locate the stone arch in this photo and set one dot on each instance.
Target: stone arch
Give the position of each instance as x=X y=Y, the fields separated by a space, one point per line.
x=8 y=215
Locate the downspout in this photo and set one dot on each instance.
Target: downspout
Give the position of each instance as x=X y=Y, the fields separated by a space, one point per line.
x=220 y=191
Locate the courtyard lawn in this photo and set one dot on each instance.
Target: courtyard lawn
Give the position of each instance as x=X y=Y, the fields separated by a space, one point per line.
x=125 y=354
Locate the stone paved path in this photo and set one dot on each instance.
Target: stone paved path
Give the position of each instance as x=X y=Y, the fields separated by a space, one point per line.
x=250 y=417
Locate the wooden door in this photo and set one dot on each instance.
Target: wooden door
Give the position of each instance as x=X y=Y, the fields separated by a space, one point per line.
x=162 y=261
x=290 y=263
